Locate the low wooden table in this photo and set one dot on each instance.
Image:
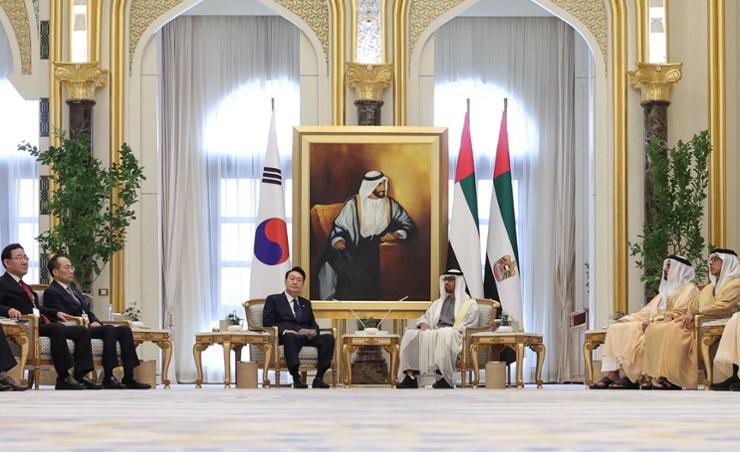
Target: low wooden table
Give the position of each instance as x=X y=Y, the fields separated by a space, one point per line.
x=18 y=333
x=592 y=340
x=710 y=333
x=232 y=340
x=390 y=342
x=162 y=339
x=516 y=341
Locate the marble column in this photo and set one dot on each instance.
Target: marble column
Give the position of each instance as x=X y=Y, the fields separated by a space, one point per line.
x=81 y=81
x=370 y=82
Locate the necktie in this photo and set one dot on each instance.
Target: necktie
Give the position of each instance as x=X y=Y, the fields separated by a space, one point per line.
x=71 y=292
x=297 y=310
x=32 y=299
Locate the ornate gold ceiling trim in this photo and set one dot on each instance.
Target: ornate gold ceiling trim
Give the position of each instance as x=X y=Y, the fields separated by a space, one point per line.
x=17 y=14
x=315 y=13
x=143 y=13
x=592 y=14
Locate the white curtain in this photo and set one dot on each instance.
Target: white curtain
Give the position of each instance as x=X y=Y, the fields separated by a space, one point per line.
x=19 y=205
x=530 y=61
x=219 y=74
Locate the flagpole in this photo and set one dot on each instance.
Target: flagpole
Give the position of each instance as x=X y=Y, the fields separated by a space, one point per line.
x=468 y=104
x=272 y=100
x=506 y=102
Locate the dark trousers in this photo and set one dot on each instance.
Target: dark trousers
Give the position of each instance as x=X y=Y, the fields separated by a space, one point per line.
x=111 y=334
x=7 y=360
x=292 y=344
x=63 y=359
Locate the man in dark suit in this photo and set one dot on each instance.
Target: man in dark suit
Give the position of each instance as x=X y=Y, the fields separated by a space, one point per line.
x=17 y=298
x=297 y=326
x=63 y=296
x=7 y=362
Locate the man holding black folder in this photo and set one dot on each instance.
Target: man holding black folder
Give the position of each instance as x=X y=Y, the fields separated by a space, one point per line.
x=297 y=326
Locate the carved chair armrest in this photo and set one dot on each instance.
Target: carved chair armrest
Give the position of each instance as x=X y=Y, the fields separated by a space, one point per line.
x=81 y=321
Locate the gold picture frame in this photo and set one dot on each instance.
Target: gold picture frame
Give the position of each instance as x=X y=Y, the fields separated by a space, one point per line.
x=329 y=163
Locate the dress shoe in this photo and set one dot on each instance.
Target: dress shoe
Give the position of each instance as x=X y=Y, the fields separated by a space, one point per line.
x=735 y=387
x=319 y=383
x=133 y=383
x=89 y=384
x=298 y=382
x=69 y=383
x=7 y=381
x=725 y=385
x=5 y=387
x=113 y=383
x=441 y=384
x=408 y=383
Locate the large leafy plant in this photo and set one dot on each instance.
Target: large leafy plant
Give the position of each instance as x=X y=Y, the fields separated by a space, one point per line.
x=89 y=227
x=680 y=177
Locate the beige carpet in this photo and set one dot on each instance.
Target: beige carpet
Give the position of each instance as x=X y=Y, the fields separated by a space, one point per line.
x=213 y=418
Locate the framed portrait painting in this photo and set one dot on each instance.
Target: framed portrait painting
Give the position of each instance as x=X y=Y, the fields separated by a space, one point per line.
x=370 y=211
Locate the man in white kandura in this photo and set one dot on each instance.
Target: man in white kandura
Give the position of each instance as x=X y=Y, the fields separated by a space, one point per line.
x=624 y=345
x=727 y=359
x=433 y=347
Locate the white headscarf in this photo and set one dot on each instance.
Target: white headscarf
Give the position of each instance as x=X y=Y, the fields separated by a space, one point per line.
x=460 y=295
x=370 y=183
x=680 y=273
x=730 y=268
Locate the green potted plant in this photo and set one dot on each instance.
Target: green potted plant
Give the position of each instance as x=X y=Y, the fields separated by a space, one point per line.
x=89 y=227
x=680 y=177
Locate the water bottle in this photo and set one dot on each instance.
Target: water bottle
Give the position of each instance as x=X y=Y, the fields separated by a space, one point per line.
x=110 y=311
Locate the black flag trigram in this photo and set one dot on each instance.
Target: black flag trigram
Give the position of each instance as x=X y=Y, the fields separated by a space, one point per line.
x=272 y=176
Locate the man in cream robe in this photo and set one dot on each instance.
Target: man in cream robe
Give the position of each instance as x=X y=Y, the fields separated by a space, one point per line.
x=433 y=347
x=727 y=358
x=623 y=347
x=671 y=347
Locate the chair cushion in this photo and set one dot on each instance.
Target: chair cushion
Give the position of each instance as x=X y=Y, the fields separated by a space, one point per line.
x=97 y=348
x=307 y=355
x=255 y=310
x=45 y=347
x=485 y=314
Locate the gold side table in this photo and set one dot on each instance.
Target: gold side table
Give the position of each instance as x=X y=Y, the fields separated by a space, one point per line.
x=592 y=340
x=162 y=339
x=516 y=341
x=232 y=340
x=709 y=335
x=18 y=333
x=390 y=342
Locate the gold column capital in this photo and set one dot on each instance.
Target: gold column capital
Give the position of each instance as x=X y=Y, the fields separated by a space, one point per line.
x=655 y=81
x=369 y=80
x=81 y=79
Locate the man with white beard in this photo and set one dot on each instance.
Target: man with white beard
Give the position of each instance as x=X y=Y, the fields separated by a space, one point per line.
x=433 y=347
x=350 y=266
x=624 y=345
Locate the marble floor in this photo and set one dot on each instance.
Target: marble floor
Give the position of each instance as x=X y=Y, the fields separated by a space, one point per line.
x=556 y=417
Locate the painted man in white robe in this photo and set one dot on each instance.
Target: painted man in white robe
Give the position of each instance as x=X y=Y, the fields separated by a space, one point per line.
x=350 y=266
x=433 y=347
x=624 y=345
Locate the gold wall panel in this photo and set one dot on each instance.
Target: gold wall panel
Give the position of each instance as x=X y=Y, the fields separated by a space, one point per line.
x=421 y=15
x=18 y=17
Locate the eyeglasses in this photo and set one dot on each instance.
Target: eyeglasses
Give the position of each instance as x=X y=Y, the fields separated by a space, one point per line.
x=20 y=258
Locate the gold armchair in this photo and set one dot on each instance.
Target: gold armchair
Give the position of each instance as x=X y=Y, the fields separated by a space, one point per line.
x=708 y=330
x=308 y=355
x=488 y=310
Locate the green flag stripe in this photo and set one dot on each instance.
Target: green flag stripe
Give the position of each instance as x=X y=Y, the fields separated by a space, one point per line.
x=471 y=198
x=505 y=199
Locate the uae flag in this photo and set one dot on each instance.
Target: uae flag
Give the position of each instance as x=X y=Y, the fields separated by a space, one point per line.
x=502 y=254
x=271 y=254
x=463 y=250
